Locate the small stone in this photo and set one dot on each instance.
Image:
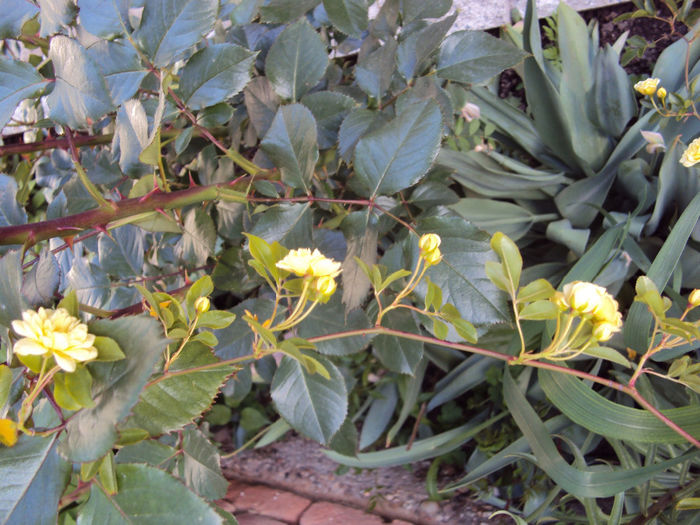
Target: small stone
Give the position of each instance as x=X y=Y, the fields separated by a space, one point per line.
x=429 y=508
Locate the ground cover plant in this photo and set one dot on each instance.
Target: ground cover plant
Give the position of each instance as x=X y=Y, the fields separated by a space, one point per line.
x=201 y=200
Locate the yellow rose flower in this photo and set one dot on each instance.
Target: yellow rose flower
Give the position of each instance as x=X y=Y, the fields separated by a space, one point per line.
x=647 y=87
x=691 y=156
x=8 y=432
x=57 y=333
x=582 y=297
x=303 y=262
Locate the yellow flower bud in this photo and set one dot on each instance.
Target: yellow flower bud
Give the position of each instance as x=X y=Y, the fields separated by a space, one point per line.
x=694 y=297
x=429 y=242
x=433 y=258
x=325 y=286
x=691 y=156
x=202 y=304
x=604 y=331
x=581 y=296
x=661 y=93
x=8 y=432
x=57 y=333
x=647 y=87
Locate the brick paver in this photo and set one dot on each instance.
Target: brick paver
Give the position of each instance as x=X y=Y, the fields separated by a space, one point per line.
x=272 y=503
x=256 y=519
x=326 y=513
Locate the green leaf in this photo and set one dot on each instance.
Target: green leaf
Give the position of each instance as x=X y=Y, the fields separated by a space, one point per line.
x=586 y=483
x=282 y=11
x=214 y=74
x=176 y=398
x=122 y=253
x=562 y=232
x=399 y=154
x=296 y=61
x=291 y=144
x=379 y=415
x=579 y=202
x=5 y=384
x=329 y=109
x=350 y=16
x=170 y=27
x=397 y=353
x=537 y=290
x=638 y=325
x=10 y=284
x=468 y=374
x=131 y=136
x=600 y=415
x=494 y=216
x=358 y=122
x=418 y=46
x=374 y=70
x=426 y=448
x=104 y=18
x=419 y=9
x=331 y=318
x=116 y=386
x=509 y=254
x=311 y=404
x=80 y=94
x=539 y=311
x=461 y=275
x=18 y=80
x=121 y=67
x=289 y=224
x=201 y=467
x=261 y=103
x=475 y=56
x=55 y=15
x=42 y=281
x=33 y=479
x=14 y=16
x=198 y=238
x=147 y=496
x=216 y=319
x=148 y=451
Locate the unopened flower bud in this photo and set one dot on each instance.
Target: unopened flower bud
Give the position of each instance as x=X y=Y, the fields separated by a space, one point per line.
x=429 y=242
x=694 y=297
x=471 y=112
x=325 y=286
x=433 y=258
x=661 y=93
x=202 y=304
x=604 y=331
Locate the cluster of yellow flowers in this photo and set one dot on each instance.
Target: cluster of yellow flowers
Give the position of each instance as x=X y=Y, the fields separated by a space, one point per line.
x=54 y=333
x=592 y=303
x=312 y=265
x=648 y=87
x=429 y=245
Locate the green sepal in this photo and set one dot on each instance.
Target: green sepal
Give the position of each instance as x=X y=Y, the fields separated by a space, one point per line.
x=33 y=362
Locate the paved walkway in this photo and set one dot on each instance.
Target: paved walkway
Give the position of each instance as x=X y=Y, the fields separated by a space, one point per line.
x=262 y=505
